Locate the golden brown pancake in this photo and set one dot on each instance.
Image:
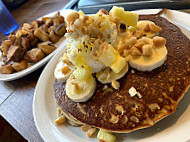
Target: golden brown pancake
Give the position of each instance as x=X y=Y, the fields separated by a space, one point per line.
x=161 y=90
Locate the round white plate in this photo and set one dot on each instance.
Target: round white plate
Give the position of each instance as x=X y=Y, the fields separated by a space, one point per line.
x=59 y=44
x=174 y=128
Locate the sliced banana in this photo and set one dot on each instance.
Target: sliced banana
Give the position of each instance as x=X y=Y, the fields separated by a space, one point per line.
x=63 y=70
x=148 y=63
x=80 y=91
x=141 y=25
x=107 y=75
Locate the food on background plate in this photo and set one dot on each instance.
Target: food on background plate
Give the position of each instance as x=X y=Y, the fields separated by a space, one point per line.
x=31 y=43
x=120 y=74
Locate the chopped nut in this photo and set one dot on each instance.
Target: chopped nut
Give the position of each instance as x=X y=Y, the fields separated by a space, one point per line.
x=139 y=95
x=114 y=119
x=119 y=108
x=139 y=46
x=132 y=71
x=125 y=52
x=66 y=70
x=154 y=28
x=134 y=119
x=137 y=34
x=85 y=128
x=154 y=107
x=146 y=40
x=91 y=132
x=134 y=51
x=104 y=11
x=147 y=28
x=105 y=87
x=115 y=84
x=85 y=18
x=171 y=88
x=147 y=50
x=72 y=17
x=132 y=91
x=125 y=119
x=58 y=112
x=159 y=41
x=60 y=120
x=130 y=42
x=121 y=47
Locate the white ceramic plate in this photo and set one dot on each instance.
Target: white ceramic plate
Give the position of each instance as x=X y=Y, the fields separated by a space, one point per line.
x=175 y=128
x=13 y=76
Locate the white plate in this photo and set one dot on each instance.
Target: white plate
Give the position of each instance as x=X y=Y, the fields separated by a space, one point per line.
x=175 y=127
x=13 y=76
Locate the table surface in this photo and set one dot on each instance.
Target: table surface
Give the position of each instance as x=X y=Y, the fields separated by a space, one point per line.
x=16 y=97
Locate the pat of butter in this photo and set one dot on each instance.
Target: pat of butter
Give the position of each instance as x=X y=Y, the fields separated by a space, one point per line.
x=118 y=65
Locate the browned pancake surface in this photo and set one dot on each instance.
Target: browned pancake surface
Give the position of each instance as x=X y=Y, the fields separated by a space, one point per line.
x=161 y=89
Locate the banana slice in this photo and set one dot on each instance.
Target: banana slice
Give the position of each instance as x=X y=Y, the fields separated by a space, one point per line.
x=80 y=91
x=148 y=28
x=63 y=70
x=148 y=63
x=107 y=75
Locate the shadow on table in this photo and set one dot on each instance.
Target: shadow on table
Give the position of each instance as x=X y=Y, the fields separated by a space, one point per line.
x=8 y=133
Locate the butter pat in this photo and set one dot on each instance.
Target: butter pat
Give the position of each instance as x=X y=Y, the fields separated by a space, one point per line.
x=118 y=65
x=129 y=18
x=108 y=56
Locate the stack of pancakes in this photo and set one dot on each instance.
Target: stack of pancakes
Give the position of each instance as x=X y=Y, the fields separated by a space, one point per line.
x=161 y=90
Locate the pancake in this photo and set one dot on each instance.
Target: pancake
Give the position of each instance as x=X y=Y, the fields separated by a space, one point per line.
x=161 y=90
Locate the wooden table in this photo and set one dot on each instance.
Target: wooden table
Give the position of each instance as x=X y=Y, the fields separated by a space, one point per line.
x=16 y=97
